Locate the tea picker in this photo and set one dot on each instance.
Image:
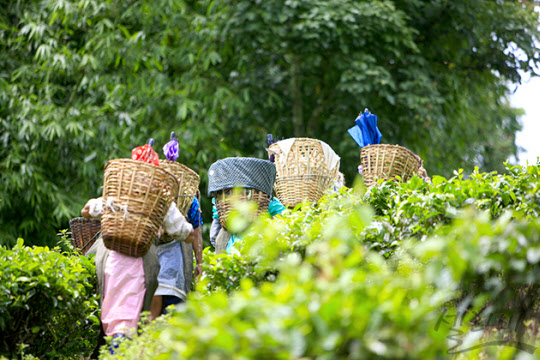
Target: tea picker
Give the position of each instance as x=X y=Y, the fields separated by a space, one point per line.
x=381 y=161
x=254 y=179
x=175 y=251
x=137 y=198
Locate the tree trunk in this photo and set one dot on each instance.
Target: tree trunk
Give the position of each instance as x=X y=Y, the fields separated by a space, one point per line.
x=296 y=92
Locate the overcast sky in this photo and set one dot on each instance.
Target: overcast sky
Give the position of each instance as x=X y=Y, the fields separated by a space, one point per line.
x=527 y=97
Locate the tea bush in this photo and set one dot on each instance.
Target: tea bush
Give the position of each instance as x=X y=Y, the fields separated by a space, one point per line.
x=48 y=303
x=333 y=300
x=402 y=210
x=377 y=274
x=334 y=297
x=417 y=208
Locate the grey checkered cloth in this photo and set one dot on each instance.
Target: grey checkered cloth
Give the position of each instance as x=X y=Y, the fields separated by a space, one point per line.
x=241 y=172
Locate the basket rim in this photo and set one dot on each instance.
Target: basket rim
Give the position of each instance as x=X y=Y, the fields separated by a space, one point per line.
x=140 y=164
x=375 y=146
x=300 y=138
x=184 y=167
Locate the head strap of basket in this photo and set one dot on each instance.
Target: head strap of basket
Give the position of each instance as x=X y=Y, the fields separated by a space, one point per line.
x=255 y=176
x=137 y=196
x=305 y=169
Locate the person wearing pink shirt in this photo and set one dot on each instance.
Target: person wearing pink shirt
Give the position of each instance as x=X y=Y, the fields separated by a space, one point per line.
x=126 y=284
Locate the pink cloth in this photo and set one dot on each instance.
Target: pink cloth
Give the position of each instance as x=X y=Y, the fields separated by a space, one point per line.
x=123 y=294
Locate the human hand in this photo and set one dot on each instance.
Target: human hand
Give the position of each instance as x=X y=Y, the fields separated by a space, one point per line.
x=198 y=270
x=85 y=212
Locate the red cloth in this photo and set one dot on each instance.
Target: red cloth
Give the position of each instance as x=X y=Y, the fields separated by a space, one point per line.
x=145 y=153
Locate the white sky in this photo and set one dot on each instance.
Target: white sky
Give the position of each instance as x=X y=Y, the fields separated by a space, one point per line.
x=527 y=97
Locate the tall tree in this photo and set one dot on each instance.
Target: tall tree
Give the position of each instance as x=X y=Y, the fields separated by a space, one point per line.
x=434 y=71
x=85 y=81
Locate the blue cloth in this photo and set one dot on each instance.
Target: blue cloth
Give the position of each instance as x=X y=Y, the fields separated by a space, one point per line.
x=366 y=131
x=171 y=278
x=231 y=242
x=215 y=214
x=275 y=207
x=169 y=300
x=194 y=214
x=171 y=274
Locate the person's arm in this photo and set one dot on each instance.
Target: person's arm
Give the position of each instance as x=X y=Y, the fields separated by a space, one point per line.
x=85 y=212
x=214 y=231
x=198 y=250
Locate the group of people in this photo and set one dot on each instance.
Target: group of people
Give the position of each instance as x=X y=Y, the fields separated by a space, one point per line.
x=163 y=276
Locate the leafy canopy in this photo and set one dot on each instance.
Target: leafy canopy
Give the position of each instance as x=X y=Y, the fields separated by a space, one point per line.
x=85 y=81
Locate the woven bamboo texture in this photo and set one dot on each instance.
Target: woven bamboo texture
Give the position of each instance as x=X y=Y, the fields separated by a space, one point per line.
x=136 y=196
x=83 y=232
x=302 y=175
x=226 y=199
x=188 y=181
x=387 y=162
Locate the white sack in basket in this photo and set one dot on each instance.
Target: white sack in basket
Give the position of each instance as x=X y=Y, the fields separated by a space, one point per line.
x=96 y=207
x=330 y=157
x=175 y=223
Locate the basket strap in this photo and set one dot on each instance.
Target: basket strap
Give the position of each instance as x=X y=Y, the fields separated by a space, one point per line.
x=91 y=240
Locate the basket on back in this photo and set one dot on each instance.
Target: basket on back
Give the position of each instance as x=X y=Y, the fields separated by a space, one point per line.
x=136 y=197
x=387 y=162
x=254 y=177
x=84 y=232
x=188 y=182
x=305 y=169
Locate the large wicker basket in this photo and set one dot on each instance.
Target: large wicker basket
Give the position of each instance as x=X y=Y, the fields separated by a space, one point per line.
x=303 y=173
x=84 y=232
x=225 y=200
x=188 y=181
x=387 y=162
x=136 y=196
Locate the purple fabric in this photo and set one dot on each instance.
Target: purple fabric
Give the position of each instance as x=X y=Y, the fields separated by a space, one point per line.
x=170 y=150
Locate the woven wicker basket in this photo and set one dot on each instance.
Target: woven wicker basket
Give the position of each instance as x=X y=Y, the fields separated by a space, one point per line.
x=84 y=232
x=188 y=181
x=225 y=200
x=303 y=174
x=387 y=162
x=136 y=196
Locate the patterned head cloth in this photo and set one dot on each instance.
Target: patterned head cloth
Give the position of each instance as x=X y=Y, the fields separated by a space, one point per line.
x=241 y=172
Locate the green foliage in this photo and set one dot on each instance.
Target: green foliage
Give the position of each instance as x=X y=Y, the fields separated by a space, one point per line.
x=227 y=271
x=338 y=302
x=84 y=81
x=336 y=298
x=417 y=208
x=498 y=259
x=48 y=303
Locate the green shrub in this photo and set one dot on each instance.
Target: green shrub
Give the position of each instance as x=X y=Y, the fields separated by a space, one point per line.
x=333 y=300
x=495 y=262
x=461 y=249
x=47 y=303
